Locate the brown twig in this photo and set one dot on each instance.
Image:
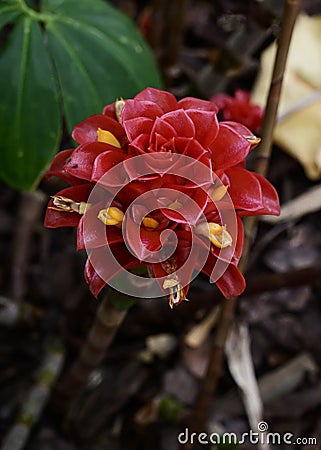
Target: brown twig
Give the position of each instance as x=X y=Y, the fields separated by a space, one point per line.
x=108 y=319
x=203 y=404
x=160 y=318
x=167 y=33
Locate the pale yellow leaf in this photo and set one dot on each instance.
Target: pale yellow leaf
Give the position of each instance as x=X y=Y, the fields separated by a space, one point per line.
x=299 y=121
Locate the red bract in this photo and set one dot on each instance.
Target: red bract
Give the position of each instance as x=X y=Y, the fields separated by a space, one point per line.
x=155 y=182
x=155 y=122
x=240 y=109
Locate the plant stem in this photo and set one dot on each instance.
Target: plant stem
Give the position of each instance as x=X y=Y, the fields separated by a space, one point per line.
x=36 y=399
x=203 y=404
x=108 y=319
x=29 y=212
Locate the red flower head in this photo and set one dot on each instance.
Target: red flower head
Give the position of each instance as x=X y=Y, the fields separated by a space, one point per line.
x=160 y=183
x=240 y=109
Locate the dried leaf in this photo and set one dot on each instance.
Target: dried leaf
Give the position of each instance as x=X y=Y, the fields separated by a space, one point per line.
x=299 y=126
x=160 y=345
x=199 y=333
x=241 y=367
x=308 y=202
x=287 y=378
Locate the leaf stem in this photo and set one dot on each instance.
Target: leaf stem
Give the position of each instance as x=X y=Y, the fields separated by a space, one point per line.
x=199 y=417
x=40 y=17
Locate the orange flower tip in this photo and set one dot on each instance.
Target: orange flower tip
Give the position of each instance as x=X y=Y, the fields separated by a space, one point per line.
x=108 y=138
x=217 y=234
x=176 y=292
x=176 y=205
x=252 y=139
x=65 y=204
x=216 y=194
x=149 y=222
x=176 y=296
x=111 y=216
x=119 y=104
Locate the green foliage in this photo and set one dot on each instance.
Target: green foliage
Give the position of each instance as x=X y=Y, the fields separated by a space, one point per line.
x=170 y=409
x=66 y=61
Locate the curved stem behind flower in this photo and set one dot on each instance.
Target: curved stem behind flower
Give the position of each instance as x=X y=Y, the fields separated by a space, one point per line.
x=204 y=402
x=108 y=320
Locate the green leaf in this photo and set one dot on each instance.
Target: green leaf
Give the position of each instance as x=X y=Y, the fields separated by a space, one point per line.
x=99 y=55
x=30 y=124
x=8 y=12
x=75 y=54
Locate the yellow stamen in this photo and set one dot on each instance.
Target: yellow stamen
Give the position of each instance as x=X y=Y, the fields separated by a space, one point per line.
x=111 y=216
x=175 y=205
x=149 y=222
x=217 y=234
x=218 y=193
x=107 y=137
x=252 y=139
x=119 y=104
x=68 y=205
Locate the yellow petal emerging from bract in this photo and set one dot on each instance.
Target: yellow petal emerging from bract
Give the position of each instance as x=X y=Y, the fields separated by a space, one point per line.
x=107 y=137
x=218 y=193
x=68 y=205
x=119 y=104
x=149 y=222
x=111 y=216
x=217 y=234
x=252 y=139
x=176 y=205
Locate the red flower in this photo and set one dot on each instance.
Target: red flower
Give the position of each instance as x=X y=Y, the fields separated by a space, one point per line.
x=240 y=109
x=160 y=183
